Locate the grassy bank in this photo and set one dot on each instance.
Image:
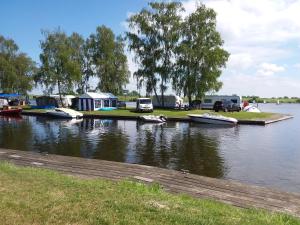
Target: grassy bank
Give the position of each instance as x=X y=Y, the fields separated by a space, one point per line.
x=179 y=113
x=36 y=196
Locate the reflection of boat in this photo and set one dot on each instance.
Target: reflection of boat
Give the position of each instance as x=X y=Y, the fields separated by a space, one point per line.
x=212 y=119
x=64 y=113
x=7 y=111
x=153 y=119
x=251 y=108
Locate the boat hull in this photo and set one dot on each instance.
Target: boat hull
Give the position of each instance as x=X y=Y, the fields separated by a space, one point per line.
x=60 y=115
x=10 y=112
x=153 y=119
x=209 y=120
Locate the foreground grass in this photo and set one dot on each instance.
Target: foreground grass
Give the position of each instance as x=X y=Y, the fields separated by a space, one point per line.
x=36 y=196
x=179 y=113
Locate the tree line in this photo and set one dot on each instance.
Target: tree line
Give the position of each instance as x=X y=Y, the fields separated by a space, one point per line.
x=185 y=53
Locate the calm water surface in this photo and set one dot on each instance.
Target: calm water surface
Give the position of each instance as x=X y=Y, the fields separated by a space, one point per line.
x=266 y=156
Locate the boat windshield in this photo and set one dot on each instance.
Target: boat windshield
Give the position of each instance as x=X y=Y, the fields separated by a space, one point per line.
x=145 y=101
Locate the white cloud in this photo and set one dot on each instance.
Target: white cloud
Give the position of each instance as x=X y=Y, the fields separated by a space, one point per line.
x=268 y=69
x=261 y=36
x=244 y=84
x=297 y=65
x=256 y=32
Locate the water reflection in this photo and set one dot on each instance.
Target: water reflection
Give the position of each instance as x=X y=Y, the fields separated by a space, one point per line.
x=267 y=156
x=175 y=145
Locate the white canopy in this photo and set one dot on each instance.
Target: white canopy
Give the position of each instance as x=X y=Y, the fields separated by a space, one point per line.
x=95 y=95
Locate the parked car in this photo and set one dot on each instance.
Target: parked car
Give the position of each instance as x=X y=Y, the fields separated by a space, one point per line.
x=144 y=105
x=226 y=106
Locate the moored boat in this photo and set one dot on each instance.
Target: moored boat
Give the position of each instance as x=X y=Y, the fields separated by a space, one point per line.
x=251 y=108
x=64 y=113
x=7 y=111
x=213 y=119
x=153 y=119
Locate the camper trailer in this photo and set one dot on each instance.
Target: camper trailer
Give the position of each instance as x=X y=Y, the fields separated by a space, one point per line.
x=209 y=100
x=170 y=101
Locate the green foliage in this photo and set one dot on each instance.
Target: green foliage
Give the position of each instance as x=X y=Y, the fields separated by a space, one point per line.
x=82 y=54
x=200 y=55
x=16 y=69
x=166 y=46
x=110 y=61
x=60 y=61
x=153 y=37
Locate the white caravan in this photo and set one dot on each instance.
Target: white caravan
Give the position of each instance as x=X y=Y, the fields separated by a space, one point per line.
x=209 y=100
x=170 y=101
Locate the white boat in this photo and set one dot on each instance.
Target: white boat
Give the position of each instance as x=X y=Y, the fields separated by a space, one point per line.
x=64 y=113
x=153 y=119
x=213 y=119
x=251 y=108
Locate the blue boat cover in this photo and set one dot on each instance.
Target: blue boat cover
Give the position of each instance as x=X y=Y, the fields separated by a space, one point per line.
x=9 y=95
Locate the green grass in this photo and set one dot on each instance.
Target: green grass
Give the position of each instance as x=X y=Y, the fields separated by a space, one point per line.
x=37 y=196
x=180 y=113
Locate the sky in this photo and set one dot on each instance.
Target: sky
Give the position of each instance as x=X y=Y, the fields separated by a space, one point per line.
x=262 y=36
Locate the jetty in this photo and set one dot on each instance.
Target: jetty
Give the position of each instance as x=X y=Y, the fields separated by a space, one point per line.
x=181 y=182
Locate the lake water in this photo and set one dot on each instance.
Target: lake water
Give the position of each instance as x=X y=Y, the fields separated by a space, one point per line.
x=261 y=155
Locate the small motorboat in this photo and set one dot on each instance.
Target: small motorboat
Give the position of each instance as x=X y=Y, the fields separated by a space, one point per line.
x=8 y=111
x=213 y=119
x=251 y=108
x=153 y=119
x=64 y=113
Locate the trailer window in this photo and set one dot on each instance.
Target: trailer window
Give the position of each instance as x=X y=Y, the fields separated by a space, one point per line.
x=234 y=101
x=207 y=100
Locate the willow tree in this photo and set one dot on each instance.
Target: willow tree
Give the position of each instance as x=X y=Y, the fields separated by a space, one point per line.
x=109 y=60
x=200 y=56
x=16 y=68
x=60 y=65
x=153 y=37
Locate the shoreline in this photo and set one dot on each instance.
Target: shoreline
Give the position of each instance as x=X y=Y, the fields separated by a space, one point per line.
x=261 y=122
x=227 y=191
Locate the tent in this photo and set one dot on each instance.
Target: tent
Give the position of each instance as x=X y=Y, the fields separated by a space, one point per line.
x=92 y=101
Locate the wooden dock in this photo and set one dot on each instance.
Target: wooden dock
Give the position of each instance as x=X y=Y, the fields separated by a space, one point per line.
x=231 y=192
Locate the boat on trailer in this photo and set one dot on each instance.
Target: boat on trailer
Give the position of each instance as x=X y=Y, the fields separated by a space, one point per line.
x=153 y=119
x=213 y=119
x=64 y=113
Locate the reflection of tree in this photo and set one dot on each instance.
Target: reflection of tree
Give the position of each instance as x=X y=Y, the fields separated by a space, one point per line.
x=178 y=149
x=198 y=154
x=56 y=136
x=111 y=141
x=15 y=133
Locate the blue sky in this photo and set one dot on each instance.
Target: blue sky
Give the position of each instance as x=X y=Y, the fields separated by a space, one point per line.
x=262 y=36
x=24 y=20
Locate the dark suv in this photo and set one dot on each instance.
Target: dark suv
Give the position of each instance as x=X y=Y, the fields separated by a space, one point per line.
x=226 y=106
